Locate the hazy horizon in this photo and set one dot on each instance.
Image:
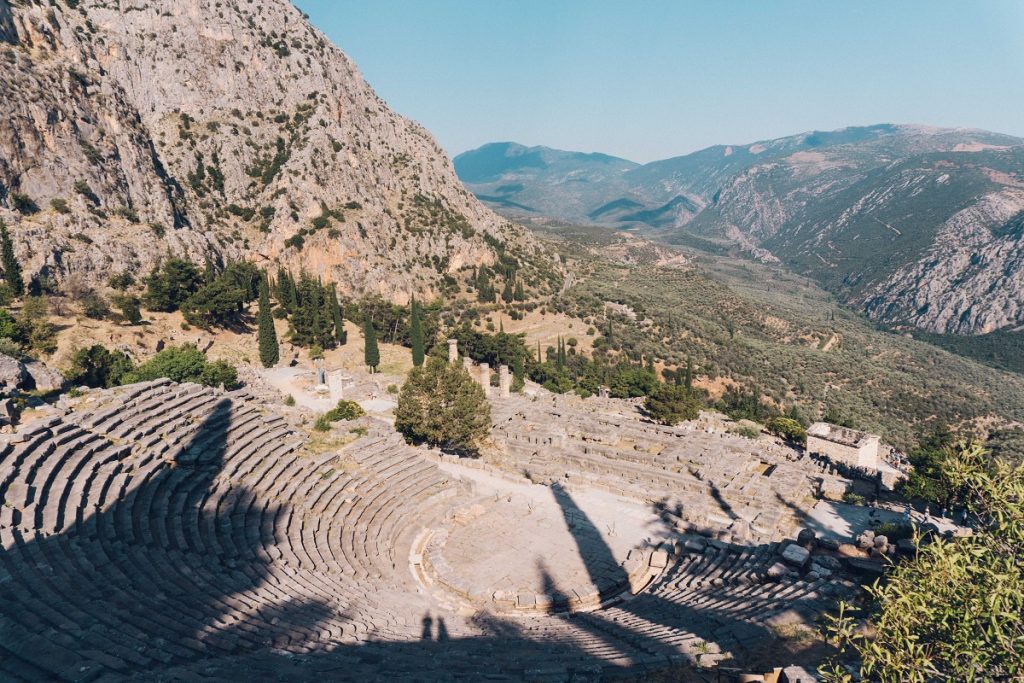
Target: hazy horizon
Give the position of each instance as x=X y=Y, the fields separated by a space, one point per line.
x=674 y=78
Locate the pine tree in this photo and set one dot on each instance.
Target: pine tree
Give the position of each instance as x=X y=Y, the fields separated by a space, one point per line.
x=269 y=351
x=336 y=316
x=371 y=354
x=416 y=334
x=507 y=294
x=12 y=269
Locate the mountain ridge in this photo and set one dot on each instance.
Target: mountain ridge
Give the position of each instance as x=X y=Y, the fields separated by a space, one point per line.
x=777 y=200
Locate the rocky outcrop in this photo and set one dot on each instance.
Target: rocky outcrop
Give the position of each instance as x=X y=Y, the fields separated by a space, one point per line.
x=27 y=375
x=224 y=128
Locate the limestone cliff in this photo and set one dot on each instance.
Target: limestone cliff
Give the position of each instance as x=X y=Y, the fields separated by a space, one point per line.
x=226 y=128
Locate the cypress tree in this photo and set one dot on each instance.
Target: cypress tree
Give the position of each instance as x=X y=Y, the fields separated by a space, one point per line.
x=507 y=295
x=688 y=383
x=539 y=360
x=269 y=351
x=519 y=295
x=371 y=354
x=336 y=316
x=12 y=269
x=518 y=371
x=416 y=334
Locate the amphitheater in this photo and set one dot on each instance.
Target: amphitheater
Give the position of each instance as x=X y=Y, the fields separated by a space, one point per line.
x=166 y=531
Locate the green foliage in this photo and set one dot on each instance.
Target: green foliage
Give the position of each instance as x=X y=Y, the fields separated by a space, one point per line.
x=170 y=285
x=9 y=262
x=671 y=405
x=129 y=306
x=371 y=353
x=416 y=334
x=440 y=404
x=289 y=400
x=779 y=350
x=345 y=410
x=311 y=317
x=59 y=205
x=952 y=613
x=185 y=364
x=96 y=366
x=94 y=305
x=219 y=303
x=927 y=482
x=23 y=204
x=270 y=352
x=337 y=318
x=788 y=429
x=35 y=332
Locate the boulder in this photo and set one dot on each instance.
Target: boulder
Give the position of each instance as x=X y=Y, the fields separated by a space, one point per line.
x=795 y=555
x=807 y=538
x=870 y=569
x=12 y=374
x=881 y=541
x=828 y=543
x=44 y=378
x=866 y=540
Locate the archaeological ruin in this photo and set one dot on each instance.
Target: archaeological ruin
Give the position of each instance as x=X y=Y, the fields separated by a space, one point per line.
x=173 y=531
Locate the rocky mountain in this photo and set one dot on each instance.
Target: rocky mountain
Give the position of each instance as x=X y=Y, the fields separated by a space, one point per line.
x=222 y=128
x=914 y=225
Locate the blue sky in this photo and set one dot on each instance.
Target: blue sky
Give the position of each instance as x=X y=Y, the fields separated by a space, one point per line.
x=657 y=78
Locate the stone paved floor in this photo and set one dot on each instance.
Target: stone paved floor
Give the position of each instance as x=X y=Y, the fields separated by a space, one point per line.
x=520 y=533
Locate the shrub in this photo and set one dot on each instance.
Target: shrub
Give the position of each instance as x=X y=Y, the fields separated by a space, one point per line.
x=59 y=205
x=185 y=364
x=98 y=367
x=289 y=400
x=788 y=429
x=94 y=305
x=952 y=613
x=129 y=306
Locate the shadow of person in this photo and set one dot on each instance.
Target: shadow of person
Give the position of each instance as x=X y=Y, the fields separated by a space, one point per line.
x=428 y=627
x=166 y=567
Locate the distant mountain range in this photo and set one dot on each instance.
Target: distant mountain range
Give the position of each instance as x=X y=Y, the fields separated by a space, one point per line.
x=913 y=224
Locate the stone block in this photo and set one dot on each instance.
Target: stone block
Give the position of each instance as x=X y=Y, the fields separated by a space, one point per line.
x=776 y=571
x=795 y=555
x=695 y=545
x=659 y=559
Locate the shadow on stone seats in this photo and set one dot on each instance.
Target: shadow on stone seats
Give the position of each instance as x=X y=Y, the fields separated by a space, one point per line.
x=168 y=572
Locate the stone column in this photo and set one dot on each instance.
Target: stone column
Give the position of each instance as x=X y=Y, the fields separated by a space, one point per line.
x=468 y=364
x=504 y=381
x=485 y=378
x=453 y=350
